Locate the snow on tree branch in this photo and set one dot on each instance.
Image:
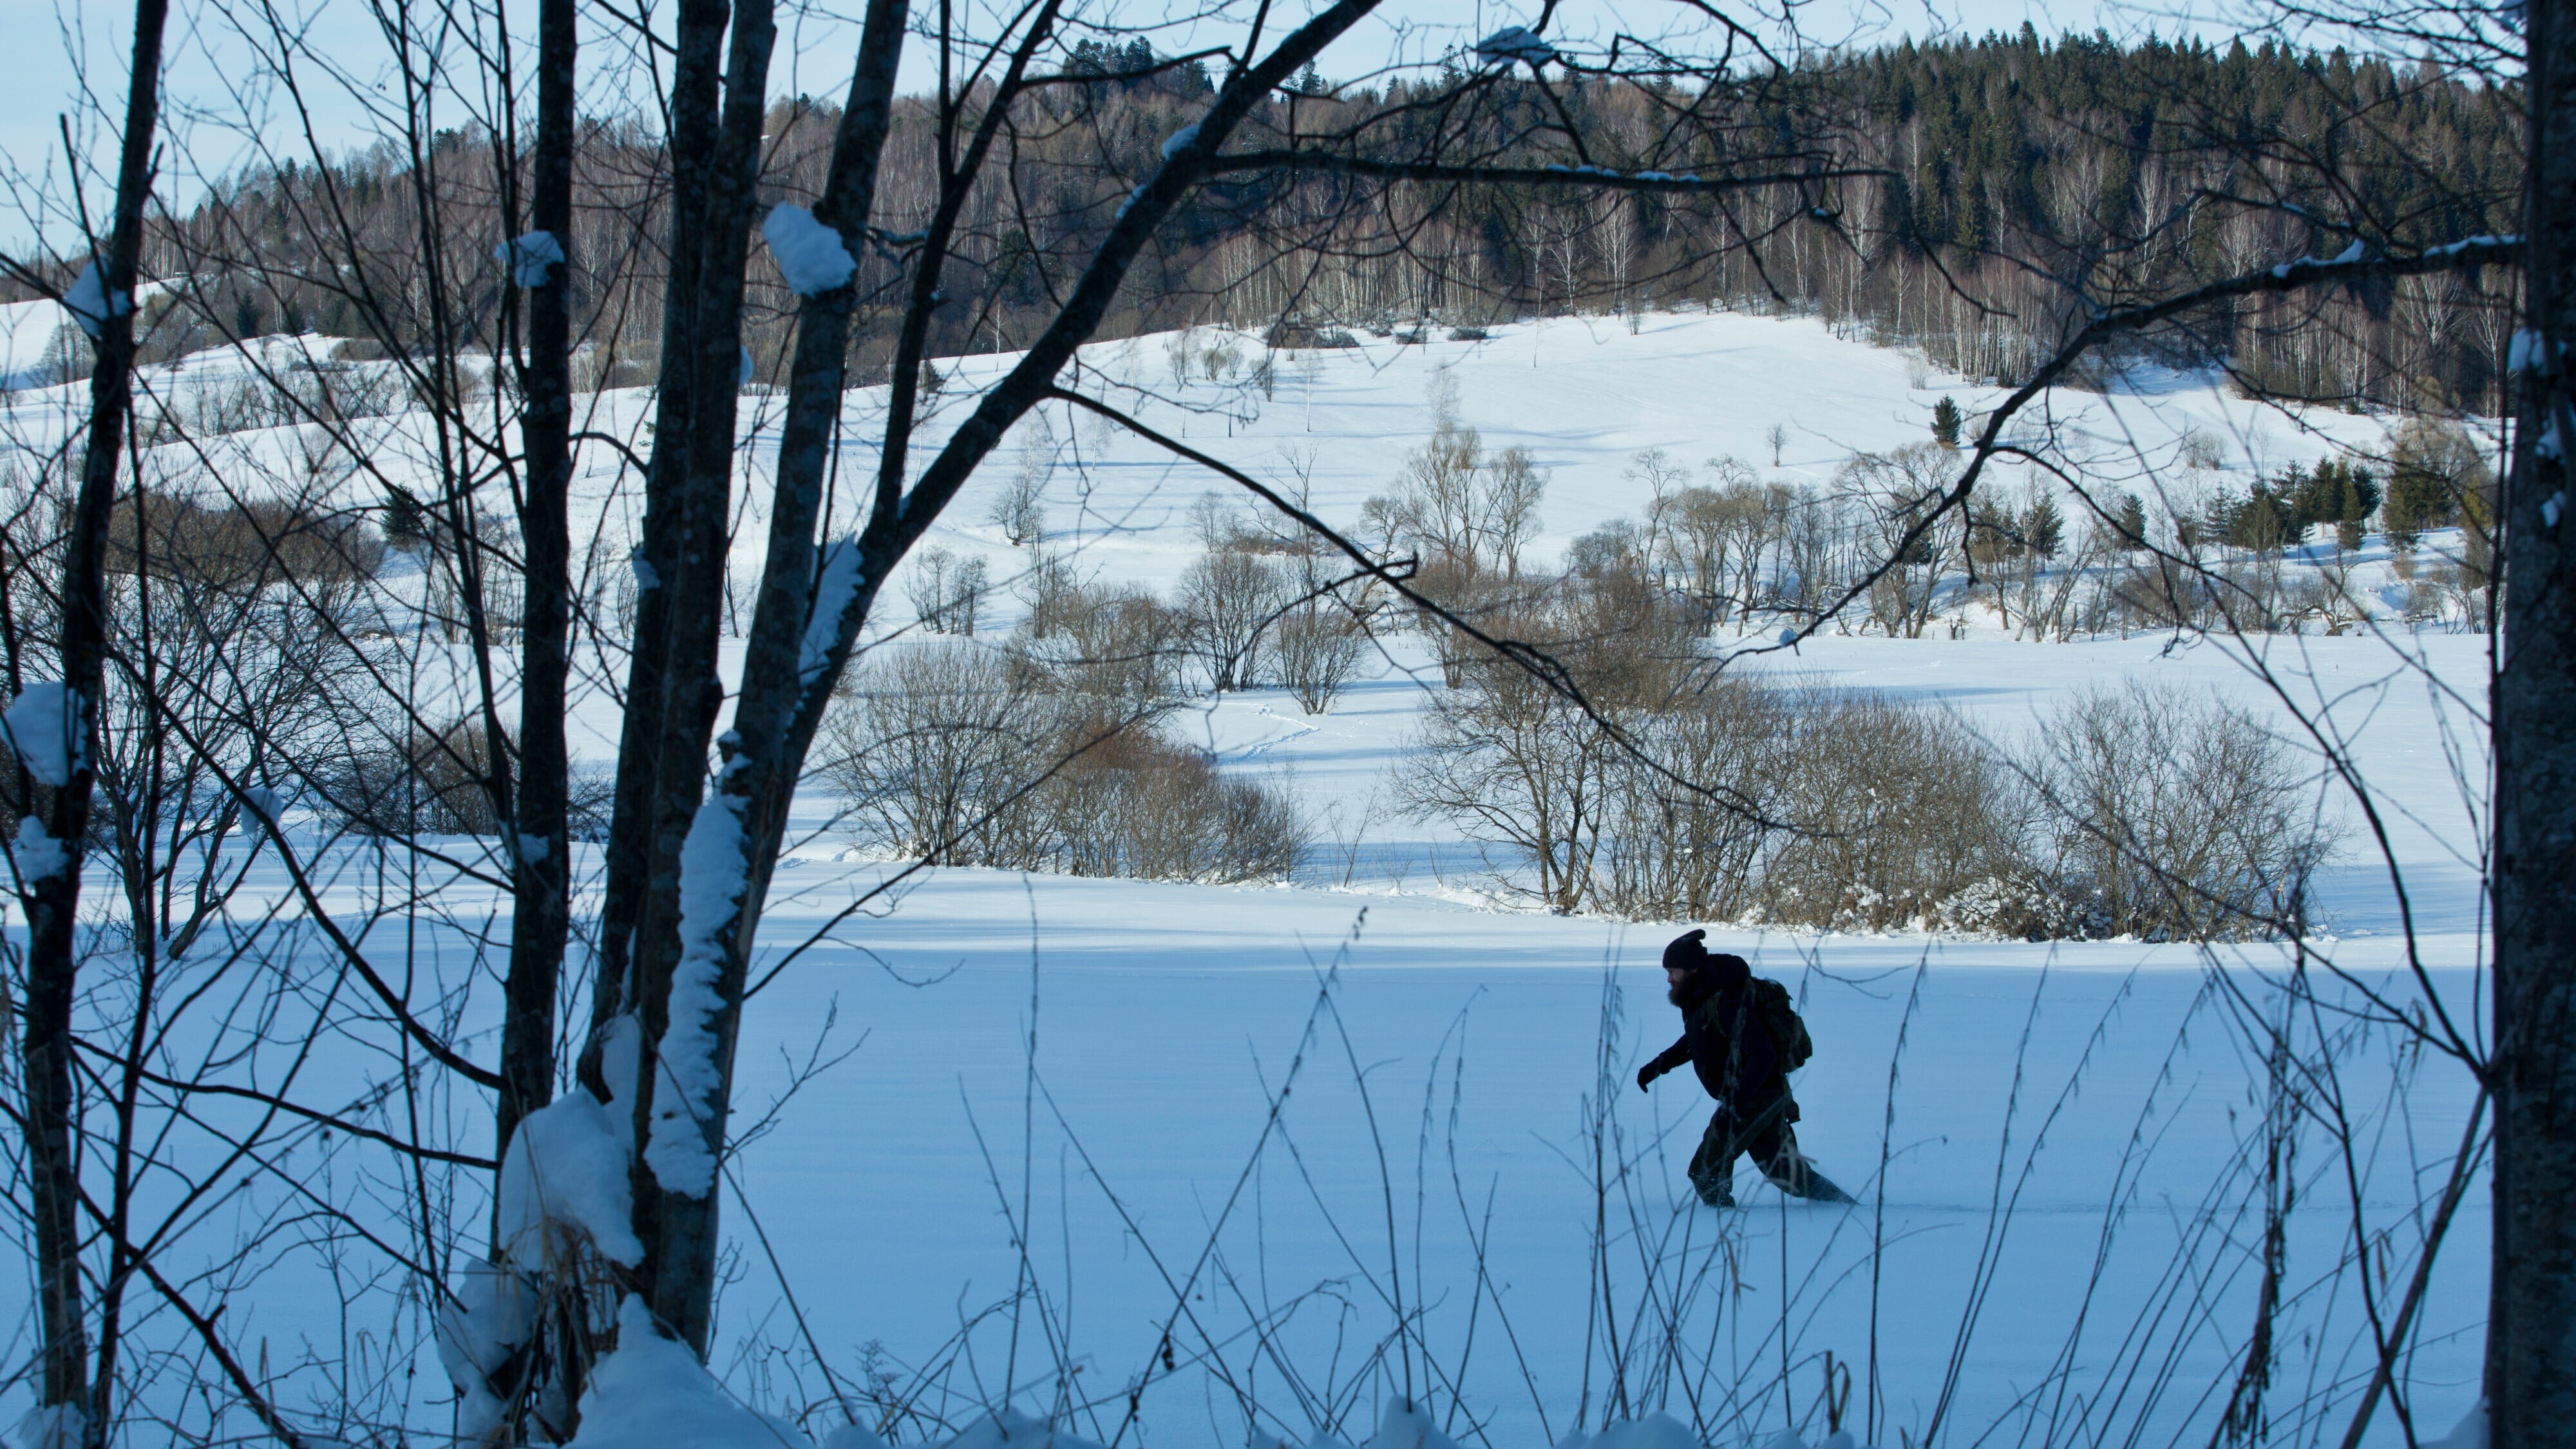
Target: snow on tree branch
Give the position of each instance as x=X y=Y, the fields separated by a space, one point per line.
x=530 y=258
x=1515 y=43
x=88 y=303
x=715 y=871
x=808 y=253
x=40 y=727
x=40 y=856
x=835 y=585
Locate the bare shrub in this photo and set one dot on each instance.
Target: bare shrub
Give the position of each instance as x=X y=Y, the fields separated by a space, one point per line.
x=1115 y=644
x=1319 y=645
x=935 y=740
x=947 y=592
x=1128 y=802
x=1673 y=853
x=439 y=782
x=1516 y=767
x=1019 y=510
x=1897 y=816
x=2176 y=816
x=1713 y=537
x=2201 y=451
x=241 y=546
x=967 y=754
x=1889 y=495
x=1455 y=504
x=1228 y=600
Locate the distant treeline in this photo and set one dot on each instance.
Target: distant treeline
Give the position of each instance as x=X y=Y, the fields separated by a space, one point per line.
x=2015 y=182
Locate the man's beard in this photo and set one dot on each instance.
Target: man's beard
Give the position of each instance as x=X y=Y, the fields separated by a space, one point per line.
x=1678 y=991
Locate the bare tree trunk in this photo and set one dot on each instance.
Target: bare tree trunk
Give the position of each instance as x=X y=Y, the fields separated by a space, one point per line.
x=696 y=92
x=734 y=831
x=541 y=850
x=53 y=902
x=538 y=843
x=678 y=1228
x=686 y=1261
x=2531 y=1374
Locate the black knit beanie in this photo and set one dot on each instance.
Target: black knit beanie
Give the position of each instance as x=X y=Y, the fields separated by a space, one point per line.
x=1685 y=953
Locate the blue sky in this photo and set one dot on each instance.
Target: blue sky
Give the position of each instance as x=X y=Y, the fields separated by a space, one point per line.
x=56 y=46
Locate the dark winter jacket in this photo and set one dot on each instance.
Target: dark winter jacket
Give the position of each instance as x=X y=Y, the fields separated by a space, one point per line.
x=1722 y=1037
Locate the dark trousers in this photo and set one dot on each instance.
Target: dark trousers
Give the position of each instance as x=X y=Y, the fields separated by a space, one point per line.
x=1763 y=1133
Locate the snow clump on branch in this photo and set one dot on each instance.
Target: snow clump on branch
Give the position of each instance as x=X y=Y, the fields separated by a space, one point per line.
x=809 y=254
x=88 y=303
x=40 y=855
x=566 y=1167
x=1514 y=42
x=715 y=871
x=492 y=1313
x=836 y=583
x=39 y=724
x=529 y=258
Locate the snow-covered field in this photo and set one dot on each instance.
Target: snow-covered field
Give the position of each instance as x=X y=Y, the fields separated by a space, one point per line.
x=2056 y=1147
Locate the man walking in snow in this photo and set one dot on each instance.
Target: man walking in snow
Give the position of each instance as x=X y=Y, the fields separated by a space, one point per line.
x=1727 y=1037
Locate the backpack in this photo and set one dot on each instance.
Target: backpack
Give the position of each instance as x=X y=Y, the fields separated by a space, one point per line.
x=1780 y=1023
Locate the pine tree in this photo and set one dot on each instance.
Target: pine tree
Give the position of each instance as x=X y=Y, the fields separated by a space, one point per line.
x=406 y=523
x=1945 y=423
x=2132 y=522
x=2042 y=527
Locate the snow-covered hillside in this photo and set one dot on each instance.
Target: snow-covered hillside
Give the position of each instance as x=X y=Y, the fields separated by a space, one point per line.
x=1062 y=1157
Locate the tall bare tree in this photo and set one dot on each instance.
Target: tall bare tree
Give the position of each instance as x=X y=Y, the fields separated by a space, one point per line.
x=68 y=741
x=2531 y=1376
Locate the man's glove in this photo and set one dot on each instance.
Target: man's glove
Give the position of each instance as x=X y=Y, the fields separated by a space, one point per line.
x=1645 y=1074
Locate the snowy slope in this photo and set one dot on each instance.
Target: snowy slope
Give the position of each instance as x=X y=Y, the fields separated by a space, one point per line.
x=2074 y=1117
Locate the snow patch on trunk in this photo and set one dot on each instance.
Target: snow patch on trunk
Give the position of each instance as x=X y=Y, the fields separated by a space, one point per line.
x=621 y=1060
x=714 y=872
x=40 y=727
x=88 y=303
x=836 y=583
x=40 y=856
x=809 y=254
x=566 y=1168
x=528 y=259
